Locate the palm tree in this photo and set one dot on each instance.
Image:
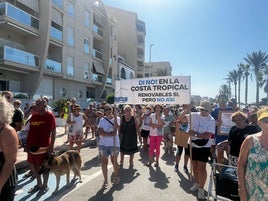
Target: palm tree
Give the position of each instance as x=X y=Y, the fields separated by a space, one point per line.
x=239 y=74
x=233 y=77
x=161 y=72
x=229 y=81
x=257 y=60
x=245 y=68
x=224 y=90
x=265 y=82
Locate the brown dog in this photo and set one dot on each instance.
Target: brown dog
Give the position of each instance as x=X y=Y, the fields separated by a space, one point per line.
x=63 y=164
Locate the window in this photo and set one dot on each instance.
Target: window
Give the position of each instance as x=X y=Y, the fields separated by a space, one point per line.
x=70 y=9
x=86 y=74
x=86 y=45
x=70 y=36
x=123 y=73
x=87 y=18
x=70 y=66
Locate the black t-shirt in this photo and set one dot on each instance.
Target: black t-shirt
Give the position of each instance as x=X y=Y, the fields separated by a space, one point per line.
x=237 y=136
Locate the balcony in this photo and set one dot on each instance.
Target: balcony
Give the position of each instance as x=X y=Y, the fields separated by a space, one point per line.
x=97 y=30
x=18 y=18
x=97 y=54
x=56 y=34
x=96 y=77
x=109 y=81
x=15 y=55
x=53 y=66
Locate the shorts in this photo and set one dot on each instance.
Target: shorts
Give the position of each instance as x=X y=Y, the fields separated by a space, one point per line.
x=36 y=158
x=145 y=133
x=108 y=150
x=186 y=150
x=200 y=154
x=75 y=138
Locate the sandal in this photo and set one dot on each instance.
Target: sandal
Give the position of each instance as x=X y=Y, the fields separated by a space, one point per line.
x=156 y=164
x=34 y=189
x=149 y=164
x=42 y=191
x=116 y=180
x=28 y=174
x=105 y=185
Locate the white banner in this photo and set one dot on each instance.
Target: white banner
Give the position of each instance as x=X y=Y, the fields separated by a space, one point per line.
x=170 y=90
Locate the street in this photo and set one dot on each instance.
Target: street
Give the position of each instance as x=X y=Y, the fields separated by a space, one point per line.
x=137 y=183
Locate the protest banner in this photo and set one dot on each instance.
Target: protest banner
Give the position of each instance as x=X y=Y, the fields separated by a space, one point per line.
x=169 y=90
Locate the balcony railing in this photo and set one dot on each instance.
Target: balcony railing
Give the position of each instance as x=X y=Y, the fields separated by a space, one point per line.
x=97 y=30
x=96 y=78
x=97 y=54
x=53 y=66
x=109 y=81
x=55 y=33
x=18 y=56
x=18 y=15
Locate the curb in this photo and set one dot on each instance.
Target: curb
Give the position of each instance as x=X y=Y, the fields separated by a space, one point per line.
x=24 y=164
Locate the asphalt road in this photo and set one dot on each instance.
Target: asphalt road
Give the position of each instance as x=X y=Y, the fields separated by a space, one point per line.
x=138 y=183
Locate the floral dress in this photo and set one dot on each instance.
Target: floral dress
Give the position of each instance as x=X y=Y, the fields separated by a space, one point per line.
x=257 y=172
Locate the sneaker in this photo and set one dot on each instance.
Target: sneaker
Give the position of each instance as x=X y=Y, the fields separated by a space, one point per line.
x=201 y=193
x=105 y=185
x=176 y=168
x=194 y=187
x=185 y=169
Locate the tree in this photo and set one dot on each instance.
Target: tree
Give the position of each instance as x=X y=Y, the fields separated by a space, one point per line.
x=224 y=90
x=239 y=75
x=161 y=72
x=233 y=77
x=257 y=60
x=245 y=68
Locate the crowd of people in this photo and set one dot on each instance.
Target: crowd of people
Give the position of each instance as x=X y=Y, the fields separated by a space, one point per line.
x=128 y=129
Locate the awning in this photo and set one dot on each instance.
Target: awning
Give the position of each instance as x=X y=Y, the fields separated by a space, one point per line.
x=98 y=67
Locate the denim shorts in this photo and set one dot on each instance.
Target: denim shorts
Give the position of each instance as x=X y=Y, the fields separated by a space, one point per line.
x=108 y=150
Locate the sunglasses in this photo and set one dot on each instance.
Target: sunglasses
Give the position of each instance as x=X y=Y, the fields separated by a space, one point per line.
x=107 y=109
x=222 y=100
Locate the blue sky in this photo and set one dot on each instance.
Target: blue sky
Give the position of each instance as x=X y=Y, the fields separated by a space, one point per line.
x=205 y=39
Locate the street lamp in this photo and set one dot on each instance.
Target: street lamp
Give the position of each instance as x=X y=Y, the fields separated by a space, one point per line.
x=150 y=59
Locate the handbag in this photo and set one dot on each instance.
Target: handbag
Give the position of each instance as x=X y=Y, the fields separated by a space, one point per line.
x=181 y=138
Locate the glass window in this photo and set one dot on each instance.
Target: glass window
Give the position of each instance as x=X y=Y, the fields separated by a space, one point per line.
x=70 y=66
x=70 y=9
x=86 y=74
x=87 y=18
x=70 y=36
x=86 y=45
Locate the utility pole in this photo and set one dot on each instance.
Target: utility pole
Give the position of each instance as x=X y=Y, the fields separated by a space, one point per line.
x=150 y=64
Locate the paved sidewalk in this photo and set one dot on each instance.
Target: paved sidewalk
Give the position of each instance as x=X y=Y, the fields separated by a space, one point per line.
x=60 y=145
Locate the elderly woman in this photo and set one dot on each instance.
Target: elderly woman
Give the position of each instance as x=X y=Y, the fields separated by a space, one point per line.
x=253 y=163
x=129 y=128
x=8 y=151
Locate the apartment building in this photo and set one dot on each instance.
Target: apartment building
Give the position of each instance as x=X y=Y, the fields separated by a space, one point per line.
x=131 y=42
x=161 y=68
x=57 y=48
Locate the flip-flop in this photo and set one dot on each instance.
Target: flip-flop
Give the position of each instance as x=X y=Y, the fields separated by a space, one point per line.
x=42 y=191
x=34 y=189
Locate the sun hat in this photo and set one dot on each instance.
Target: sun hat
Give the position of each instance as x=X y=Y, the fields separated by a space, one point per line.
x=205 y=105
x=262 y=113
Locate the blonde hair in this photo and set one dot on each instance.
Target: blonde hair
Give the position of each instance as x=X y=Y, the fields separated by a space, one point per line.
x=6 y=111
x=127 y=106
x=239 y=114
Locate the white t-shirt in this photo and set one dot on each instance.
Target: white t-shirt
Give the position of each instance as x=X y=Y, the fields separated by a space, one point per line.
x=156 y=131
x=108 y=127
x=200 y=124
